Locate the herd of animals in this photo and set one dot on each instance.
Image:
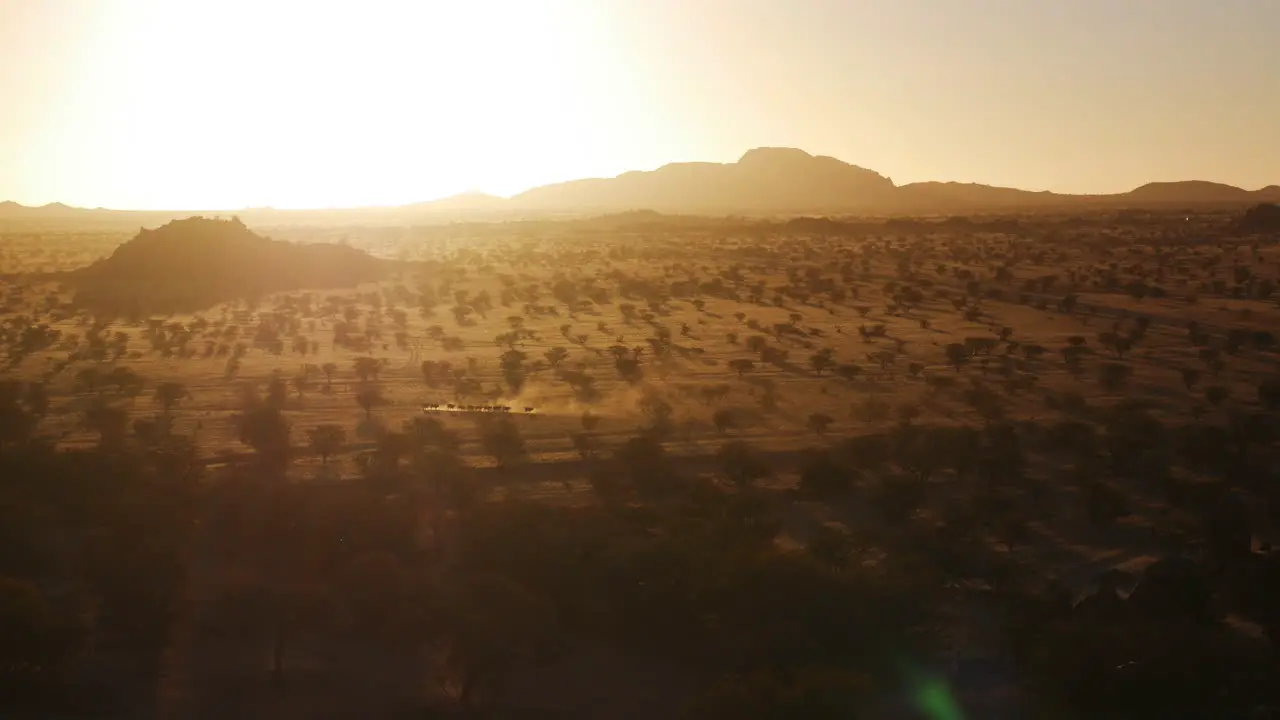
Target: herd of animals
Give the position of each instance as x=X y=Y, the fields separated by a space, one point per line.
x=452 y=407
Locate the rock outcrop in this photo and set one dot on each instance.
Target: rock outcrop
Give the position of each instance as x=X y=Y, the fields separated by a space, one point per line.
x=191 y=264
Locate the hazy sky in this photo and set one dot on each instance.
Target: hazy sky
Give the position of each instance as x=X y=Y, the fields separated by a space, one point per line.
x=186 y=104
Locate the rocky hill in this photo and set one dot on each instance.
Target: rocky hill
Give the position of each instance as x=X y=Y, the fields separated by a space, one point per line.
x=191 y=264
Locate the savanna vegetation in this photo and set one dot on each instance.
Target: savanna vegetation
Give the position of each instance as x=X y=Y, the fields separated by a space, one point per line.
x=647 y=467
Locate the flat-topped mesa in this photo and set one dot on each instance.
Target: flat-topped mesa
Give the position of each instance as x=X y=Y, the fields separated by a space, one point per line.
x=191 y=264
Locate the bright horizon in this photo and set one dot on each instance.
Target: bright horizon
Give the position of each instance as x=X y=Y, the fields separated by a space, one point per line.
x=150 y=104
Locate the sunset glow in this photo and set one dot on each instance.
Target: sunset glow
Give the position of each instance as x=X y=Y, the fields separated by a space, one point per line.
x=157 y=104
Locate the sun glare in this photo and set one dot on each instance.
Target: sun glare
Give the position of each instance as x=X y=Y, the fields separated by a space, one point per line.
x=307 y=105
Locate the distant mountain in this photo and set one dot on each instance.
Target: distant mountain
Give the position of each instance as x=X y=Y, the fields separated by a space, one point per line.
x=463 y=202
x=764 y=181
x=9 y=208
x=1174 y=192
x=790 y=181
x=938 y=197
x=195 y=263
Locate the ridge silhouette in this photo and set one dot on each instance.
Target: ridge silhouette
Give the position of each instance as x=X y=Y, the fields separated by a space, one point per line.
x=776 y=181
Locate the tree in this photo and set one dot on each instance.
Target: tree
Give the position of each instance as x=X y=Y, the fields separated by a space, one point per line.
x=830 y=546
x=586 y=445
x=742 y=366
x=328 y=369
x=741 y=463
x=277 y=391
x=823 y=478
x=125 y=380
x=1113 y=376
x=555 y=356
x=367 y=368
x=849 y=371
x=265 y=429
x=513 y=371
x=659 y=412
x=723 y=420
x=109 y=421
x=957 y=355
x=1216 y=394
x=168 y=394
x=87 y=380
x=368 y=397
x=326 y=440
x=501 y=439
x=301 y=382
x=821 y=360
x=818 y=422
x=19 y=413
x=1190 y=376
x=38 y=641
x=494 y=625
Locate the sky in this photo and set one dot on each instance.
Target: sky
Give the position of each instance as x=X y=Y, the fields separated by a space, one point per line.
x=179 y=104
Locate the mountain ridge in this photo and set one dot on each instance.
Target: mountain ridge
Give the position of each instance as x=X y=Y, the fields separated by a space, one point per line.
x=763 y=181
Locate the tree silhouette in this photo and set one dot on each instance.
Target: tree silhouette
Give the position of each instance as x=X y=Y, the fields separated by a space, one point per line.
x=168 y=394
x=849 y=371
x=1114 y=376
x=494 y=624
x=368 y=397
x=586 y=444
x=265 y=429
x=822 y=360
x=1216 y=394
x=513 y=371
x=1190 y=376
x=109 y=421
x=301 y=383
x=125 y=380
x=822 y=477
x=741 y=463
x=38 y=639
x=20 y=411
x=367 y=368
x=277 y=391
x=328 y=369
x=723 y=420
x=501 y=439
x=87 y=380
x=819 y=422
x=555 y=356
x=326 y=440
